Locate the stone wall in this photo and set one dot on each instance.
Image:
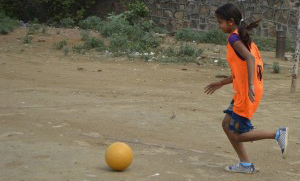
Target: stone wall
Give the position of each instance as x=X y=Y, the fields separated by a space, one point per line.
x=200 y=14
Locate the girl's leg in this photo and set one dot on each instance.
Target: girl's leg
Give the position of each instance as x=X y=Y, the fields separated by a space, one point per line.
x=238 y=146
x=252 y=135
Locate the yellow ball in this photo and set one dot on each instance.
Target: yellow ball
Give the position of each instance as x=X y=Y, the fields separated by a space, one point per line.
x=118 y=156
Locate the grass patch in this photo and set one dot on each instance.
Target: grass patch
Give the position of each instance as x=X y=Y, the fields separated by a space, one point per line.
x=59 y=45
x=66 y=51
x=85 y=35
x=67 y=23
x=276 y=67
x=92 y=23
x=213 y=36
x=81 y=49
x=184 y=54
x=7 y=24
x=94 y=43
x=27 y=39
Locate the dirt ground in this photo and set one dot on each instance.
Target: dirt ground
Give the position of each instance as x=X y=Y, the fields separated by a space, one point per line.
x=59 y=113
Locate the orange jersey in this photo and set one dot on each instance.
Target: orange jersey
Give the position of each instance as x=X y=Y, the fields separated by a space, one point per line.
x=239 y=70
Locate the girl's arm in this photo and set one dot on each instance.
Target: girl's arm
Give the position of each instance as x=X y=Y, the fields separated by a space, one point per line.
x=211 y=88
x=227 y=80
x=241 y=48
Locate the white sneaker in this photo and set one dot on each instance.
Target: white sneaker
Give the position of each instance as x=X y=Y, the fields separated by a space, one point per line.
x=239 y=168
x=283 y=141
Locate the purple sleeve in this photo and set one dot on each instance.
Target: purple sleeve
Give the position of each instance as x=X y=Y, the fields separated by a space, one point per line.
x=233 y=38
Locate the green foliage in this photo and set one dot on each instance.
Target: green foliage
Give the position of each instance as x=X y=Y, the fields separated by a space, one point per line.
x=120 y=26
x=91 y=22
x=137 y=10
x=126 y=37
x=7 y=24
x=187 y=34
x=118 y=43
x=47 y=10
x=276 y=68
x=59 y=45
x=160 y=30
x=44 y=29
x=93 y=42
x=81 y=48
x=187 y=50
x=33 y=29
x=212 y=36
x=27 y=39
x=66 y=51
x=85 y=35
x=264 y=43
x=185 y=53
x=67 y=23
x=170 y=52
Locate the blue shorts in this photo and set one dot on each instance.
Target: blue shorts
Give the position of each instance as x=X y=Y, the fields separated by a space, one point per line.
x=238 y=123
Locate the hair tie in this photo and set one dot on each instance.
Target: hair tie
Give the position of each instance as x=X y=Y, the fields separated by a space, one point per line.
x=241 y=21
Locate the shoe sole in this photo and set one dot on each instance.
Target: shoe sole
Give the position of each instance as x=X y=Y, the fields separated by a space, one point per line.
x=284 y=154
x=228 y=170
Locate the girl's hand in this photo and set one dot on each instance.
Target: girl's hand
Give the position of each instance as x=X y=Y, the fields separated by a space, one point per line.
x=251 y=93
x=211 y=88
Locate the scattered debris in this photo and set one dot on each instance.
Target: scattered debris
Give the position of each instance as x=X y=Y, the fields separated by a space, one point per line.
x=221 y=76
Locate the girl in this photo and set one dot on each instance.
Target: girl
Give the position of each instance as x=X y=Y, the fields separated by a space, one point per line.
x=247 y=77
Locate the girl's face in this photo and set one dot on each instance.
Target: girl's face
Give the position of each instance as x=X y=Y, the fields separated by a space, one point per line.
x=225 y=26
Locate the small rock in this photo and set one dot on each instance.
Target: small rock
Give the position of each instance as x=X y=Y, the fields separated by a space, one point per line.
x=99 y=70
x=204 y=56
x=288 y=58
x=216 y=50
x=80 y=68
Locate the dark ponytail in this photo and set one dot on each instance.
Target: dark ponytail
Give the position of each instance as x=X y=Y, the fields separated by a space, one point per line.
x=244 y=31
x=230 y=11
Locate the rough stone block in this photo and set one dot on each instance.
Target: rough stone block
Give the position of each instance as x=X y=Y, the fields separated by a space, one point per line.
x=179 y=15
x=204 y=10
x=268 y=14
x=194 y=24
x=284 y=17
x=168 y=14
x=164 y=21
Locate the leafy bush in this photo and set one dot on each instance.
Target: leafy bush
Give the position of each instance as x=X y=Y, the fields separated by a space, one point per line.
x=85 y=35
x=213 y=36
x=81 y=48
x=46 y=10
x=7 y=24
x=185 y=53
x=94 y=43
x=33 y=29
x=188 y=50
x=137 y=10
x=59 y=45
x=119 y=43
x=66 y=51
x=27 y=39
x=67 y=23
x=114 y=26
x=264 y=43
x=187 y=34
x=91 y=22
x=276 y=68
